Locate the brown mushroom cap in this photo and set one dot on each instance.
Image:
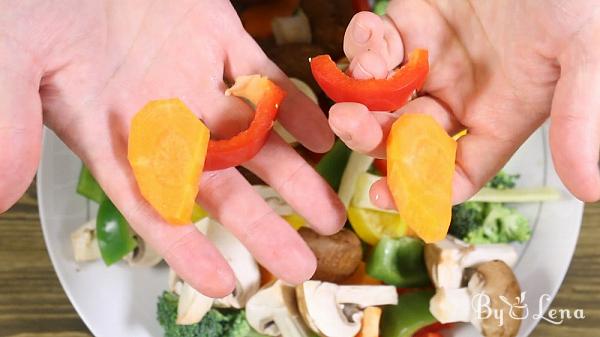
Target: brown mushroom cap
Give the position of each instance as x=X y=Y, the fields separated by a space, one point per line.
x=337 y=255
x=496 y=279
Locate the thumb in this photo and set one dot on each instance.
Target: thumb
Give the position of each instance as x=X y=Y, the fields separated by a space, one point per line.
x=575 y=126
x=20 y=123
x=368 y=32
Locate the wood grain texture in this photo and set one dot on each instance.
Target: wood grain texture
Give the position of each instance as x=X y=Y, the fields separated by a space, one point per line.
x=33 y=304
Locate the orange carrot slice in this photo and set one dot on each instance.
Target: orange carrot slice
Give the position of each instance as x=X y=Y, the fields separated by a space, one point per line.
x=370 y=322
x=360 y=277
x=167 y=147
x=420 y=157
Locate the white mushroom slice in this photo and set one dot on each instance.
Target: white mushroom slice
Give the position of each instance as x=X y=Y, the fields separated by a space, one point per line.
x=497 y=288
x=273 y=199
x=447 y=259
x=367 y=296
x=241 y=262
x=175 y=283
x=202 y=225
x=143 y=255
x=192 y=306
x=85 y=243
x=273 y=311
x=448 y=305
x=333 y=310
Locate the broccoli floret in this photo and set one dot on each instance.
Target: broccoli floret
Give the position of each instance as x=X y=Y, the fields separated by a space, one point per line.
x=503 y=181
x=466 y=217
x=216 y=323
x=486 y=222
x=501 y=224
x=167 y=314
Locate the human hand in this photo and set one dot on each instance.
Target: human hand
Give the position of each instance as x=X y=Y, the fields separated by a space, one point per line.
x=84 y=68
x=497 y=68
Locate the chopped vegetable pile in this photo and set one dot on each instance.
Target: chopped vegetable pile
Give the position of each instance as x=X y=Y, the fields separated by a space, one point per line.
x=490 y=222
x=216 y=323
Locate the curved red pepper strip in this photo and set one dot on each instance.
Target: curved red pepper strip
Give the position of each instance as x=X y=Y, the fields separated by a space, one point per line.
x=377 y=94
x=242 y=147
x=361 y=5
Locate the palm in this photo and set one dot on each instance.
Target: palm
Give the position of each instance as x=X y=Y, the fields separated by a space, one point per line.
x=117 y=55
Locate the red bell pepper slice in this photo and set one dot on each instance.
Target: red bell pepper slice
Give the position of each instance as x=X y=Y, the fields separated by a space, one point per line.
x=381 y=166
x=377 y=94
x=267 y=98
x=432 y=329
x=361 y=5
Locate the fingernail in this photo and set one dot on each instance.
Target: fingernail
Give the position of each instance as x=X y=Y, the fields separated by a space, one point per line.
x=361 y=34
x=359 y=72
x=381 y=200
x=344 y=135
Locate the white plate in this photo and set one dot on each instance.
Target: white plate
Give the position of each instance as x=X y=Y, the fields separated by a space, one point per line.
x=121 y=301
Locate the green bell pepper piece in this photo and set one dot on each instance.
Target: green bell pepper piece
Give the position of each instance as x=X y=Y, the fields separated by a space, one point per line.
x=331 y=166
x=410 y=315
x=115 y=237
x=88 y=187
x=380 y=7
x=399 y=262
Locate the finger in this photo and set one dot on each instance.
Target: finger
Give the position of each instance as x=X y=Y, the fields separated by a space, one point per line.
x=380 y=195
x=228 y=197
x=298 y=114
x=366 y=132
x=485 y=150
x=20 y=123
x=421 y=25
x=575 y=128
x=368 y=65
x=187 y=251
x=368 y=32
x=300 y=185
x=360 y=129
x=436 y=109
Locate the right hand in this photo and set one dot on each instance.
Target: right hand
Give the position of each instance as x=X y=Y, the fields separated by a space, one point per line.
x=497 y=68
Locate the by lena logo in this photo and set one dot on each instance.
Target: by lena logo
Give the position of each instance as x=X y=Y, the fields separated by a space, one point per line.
x=518 y=309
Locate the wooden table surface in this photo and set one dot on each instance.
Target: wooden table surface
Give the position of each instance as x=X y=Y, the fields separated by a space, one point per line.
x=32 y=302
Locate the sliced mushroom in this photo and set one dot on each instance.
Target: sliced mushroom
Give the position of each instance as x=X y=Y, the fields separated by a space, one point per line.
x=192 y=305
x=496 y=285
x=85 y=243
x=273 y=199
x=143 y=255
x=447 y=259
x=273 y=311
x=338 y=255
x=335 y=311
x=175 y=282
x=240 y=260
